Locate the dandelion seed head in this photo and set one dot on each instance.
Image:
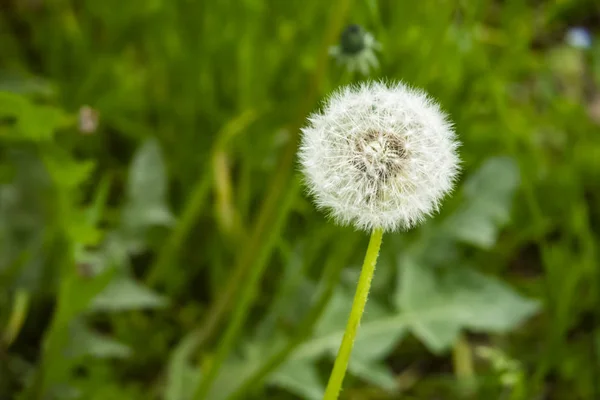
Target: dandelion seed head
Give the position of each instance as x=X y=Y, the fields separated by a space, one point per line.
x=379 y=156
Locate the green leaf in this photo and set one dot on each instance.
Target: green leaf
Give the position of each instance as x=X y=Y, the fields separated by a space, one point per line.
x=84 y=341
x=40 y=122
x=236 y=370
x=147 y=190
x=13 y=105
x=22 y=84
x=144 y=215
x=300 y=378
x=377 y=374
x=126 y=294
x=94 y=212
x=445 y=301
x=77 y=292
x=335 y=317
x=65 y=171
x=487 y=202
x=435 y=306
x=147 y=182
x=376 y=338
x=182 y=377
x=298 y=374
x=32 y=121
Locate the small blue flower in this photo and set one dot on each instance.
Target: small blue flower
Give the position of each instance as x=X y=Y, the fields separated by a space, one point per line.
x=579 y=37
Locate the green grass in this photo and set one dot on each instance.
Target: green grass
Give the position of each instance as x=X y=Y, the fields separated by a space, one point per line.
x=174 y=249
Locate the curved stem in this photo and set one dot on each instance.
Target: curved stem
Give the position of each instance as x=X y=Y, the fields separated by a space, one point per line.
x=240 y=312
x=17 y=316
x=192 y=210
x=331 y=279
x=358 y=306
x=259 y=238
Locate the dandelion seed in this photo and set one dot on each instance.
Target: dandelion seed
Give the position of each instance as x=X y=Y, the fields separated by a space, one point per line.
x=356 y=50
x=379 y=156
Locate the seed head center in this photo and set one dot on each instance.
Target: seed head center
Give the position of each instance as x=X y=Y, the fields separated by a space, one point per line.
x=380 y=154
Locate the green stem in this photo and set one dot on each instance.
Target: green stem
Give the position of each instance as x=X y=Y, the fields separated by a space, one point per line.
x=17 y=317
x=553 y=336
x=333 y=269
x=261 y=239
x=168 y=253
x=358 y=307
x=248 y=292
x=279 y=184
x=462 y=357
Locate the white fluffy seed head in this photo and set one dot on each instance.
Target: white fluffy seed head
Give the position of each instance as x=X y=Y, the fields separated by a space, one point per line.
x=379 y=156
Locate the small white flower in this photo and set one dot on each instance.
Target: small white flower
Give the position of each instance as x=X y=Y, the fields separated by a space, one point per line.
x=379 y=156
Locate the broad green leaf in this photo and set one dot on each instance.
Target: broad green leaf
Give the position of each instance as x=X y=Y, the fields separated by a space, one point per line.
x=455 y=298
x=487 y=202
x=318 y=345
x=40 y=122
x=77 y=293
x=126 y=294
x=64 y=170
x=94 y=212
x=85 y=341
x=377 y=374
x=13 y=105
x=32 y=121
x=365 y=362
x=239 y=368
x=292 y=286
x=147 y=191
x=147 y=182
x=328 y=343
x=435 y=306
x=94 y=385
x=335 y=317
x=81 y=232
x=300 y=378
x=182 y=377
x=141 y=216
x=375 y=340
x=25 y=84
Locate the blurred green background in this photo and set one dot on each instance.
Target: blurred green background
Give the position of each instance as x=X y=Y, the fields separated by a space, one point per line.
x=156 y=242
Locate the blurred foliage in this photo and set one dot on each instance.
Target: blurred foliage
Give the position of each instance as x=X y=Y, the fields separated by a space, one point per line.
x=154 y=236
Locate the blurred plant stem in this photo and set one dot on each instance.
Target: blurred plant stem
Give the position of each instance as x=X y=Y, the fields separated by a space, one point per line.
x=56 y=337
x=17 y=316
x=191 y=212
x=331 y=278
x=196 y=201
x=358 y=307
x=256 y=252
x=247 y=295
x=538 y=225
x=462 y=357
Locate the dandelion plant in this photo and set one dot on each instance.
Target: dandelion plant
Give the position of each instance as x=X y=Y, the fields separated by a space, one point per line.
x=379 y=157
